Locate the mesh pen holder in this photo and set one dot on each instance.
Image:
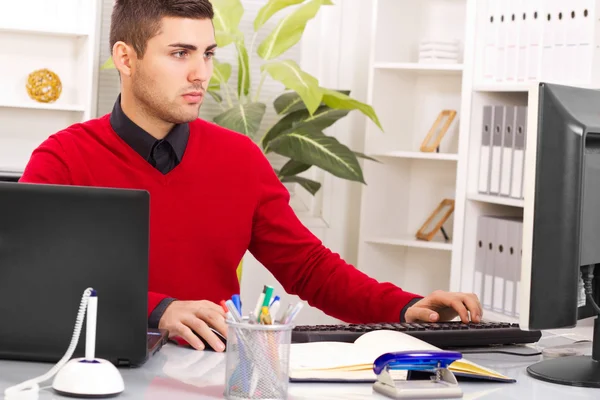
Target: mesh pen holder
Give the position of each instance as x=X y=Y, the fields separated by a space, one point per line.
x=257 y=361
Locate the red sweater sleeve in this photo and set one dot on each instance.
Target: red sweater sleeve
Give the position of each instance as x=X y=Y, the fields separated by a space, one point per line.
x=305 y=267
x=48 y=165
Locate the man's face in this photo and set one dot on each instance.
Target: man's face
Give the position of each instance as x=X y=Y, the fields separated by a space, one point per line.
x=172 y=77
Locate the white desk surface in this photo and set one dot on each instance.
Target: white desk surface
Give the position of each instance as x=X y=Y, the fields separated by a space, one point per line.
x=182 y=373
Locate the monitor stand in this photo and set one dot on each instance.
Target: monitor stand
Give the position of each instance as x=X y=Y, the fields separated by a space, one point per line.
x=582 y=371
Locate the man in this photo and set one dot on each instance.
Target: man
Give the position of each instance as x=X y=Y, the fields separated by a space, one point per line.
x=213 y=193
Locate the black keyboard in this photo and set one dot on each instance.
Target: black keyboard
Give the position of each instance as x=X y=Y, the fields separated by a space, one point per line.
x=443 y=335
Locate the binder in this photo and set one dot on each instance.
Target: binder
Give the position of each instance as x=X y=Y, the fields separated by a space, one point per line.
x=496 y=144
x=485 y=150
x=502 y=29
x=490 y=35
x=513 y=260
x=560 y=15
x=523 y=22
x=512 y=39
x=586 y=24
x=548 y=40
x=507 y=150
x=500 y=227
x=480 y=254
x=519 y=251
x=534 y=27
x=518 y=158
x=488 y=275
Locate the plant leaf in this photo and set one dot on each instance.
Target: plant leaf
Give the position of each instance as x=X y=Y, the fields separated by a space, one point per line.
x=323 y=151
x=366 y=157
x=243 y=69
x=293 y=167
x=108 y=64
x=289 y=73
x=269 y=9
x=291 y=101
x=335 y=99
x=289 y=30
x=215 y=95
x=221 y=73
x=311 y=186
x=226 y=21
x=243 y=118
x=323 y=118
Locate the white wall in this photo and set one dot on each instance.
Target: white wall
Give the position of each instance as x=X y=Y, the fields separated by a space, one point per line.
x=341 y=63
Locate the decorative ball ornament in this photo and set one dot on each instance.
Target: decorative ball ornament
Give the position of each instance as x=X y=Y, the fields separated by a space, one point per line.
x=44 y=86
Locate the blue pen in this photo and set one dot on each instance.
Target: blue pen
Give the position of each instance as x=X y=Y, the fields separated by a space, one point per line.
x=274 y=300
x=237 y=302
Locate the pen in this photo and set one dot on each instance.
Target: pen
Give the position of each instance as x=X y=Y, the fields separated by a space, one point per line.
x=285 y=314
x=293 y=313
x=90 y=330
x=227 y=312
x=267 y=298
x=274 y=308
x=260 y=301
x=265 y=317
x=237 y=302
x=233 y=310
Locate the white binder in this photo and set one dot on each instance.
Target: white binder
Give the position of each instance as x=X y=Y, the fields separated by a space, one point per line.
x=518 y=161
x=496 y=143
x=480 y=254
x=502 y=29
x=488 y=275
x=485 y=150
x=511 y=20
x=548 y=40
x=500 y=226
x=507 y=150
x=490 y=33
x=535 y=26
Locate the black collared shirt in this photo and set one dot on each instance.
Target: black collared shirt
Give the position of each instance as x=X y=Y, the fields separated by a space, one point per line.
x=164 y=154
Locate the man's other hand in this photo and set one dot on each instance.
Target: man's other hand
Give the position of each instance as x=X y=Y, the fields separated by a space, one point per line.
x=445 y=306
x=183 y=318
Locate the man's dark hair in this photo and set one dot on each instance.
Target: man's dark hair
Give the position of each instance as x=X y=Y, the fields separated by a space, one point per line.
x=137 y=21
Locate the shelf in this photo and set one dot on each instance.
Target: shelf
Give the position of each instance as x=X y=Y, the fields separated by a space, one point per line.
x=432 y=68
x=504 y=87
x=507 y=201
x=411 y=241
x=44 y=106
x=42 y=32
x=417 y=155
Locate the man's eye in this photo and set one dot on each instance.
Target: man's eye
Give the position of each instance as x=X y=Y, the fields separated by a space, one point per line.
x=209 y=54
x=180 y=54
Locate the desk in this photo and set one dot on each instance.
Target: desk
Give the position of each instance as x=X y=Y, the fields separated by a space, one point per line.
x=181 y=373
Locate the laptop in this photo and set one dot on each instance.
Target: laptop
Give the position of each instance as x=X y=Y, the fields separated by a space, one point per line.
x=55 y=242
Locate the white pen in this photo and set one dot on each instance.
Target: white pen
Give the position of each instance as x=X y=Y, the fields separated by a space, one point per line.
x=90 y=328
x=274 y=308
x=294 y=312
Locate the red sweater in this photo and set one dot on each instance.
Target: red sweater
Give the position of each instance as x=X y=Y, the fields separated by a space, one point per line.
x=221 y=200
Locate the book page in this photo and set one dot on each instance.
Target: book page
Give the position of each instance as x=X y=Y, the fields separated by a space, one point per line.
x=327 y=355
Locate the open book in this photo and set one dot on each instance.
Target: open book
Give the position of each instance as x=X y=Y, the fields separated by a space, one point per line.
x=353 y=362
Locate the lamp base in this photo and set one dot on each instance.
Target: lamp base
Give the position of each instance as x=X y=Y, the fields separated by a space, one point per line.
x=92 y=379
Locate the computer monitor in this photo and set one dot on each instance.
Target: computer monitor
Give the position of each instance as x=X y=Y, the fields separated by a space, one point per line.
x=58 y=240
x=561 y=222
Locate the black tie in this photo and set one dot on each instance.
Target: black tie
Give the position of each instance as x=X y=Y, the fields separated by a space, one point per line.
x=163 y=156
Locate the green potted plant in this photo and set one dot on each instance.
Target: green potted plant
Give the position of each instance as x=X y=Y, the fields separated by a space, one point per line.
x=306 y=109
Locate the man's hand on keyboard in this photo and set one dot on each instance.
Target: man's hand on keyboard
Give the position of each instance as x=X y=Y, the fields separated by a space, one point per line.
x=444 y=306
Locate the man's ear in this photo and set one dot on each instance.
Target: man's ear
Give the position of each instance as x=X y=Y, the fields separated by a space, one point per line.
x=123 y=56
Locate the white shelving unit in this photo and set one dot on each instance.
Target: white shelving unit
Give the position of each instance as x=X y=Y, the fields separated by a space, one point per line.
x=502 y=89
x=61 y=36
x=405 y=187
